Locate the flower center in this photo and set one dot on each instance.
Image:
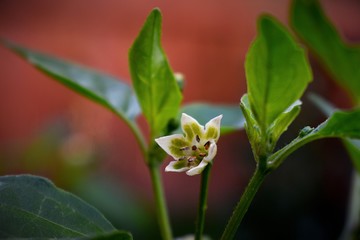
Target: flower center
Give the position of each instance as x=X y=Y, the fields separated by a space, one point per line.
x=195 y=154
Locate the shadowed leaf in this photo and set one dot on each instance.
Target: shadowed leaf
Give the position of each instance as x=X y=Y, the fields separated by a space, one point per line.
x=33 y=206
x=106 y=90
x=341 y=59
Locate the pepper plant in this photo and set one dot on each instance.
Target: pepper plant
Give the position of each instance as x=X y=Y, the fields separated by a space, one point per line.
x=341 y=61
x=277 y=72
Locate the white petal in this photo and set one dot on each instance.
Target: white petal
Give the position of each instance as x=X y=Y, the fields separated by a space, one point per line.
x=165 y=142
x=198 y=169
x=170 y=167
x=191 y=128
x=186 y=119
x=211 y=152
x=215 y=122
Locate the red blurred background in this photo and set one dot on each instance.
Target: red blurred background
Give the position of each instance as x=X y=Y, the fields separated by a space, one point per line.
x=48 y=130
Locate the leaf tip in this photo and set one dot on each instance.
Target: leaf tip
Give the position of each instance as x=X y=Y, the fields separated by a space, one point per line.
x=155 y=14
x=11 y=46
x=265 y=21
x=6 y=43
x=156 y=10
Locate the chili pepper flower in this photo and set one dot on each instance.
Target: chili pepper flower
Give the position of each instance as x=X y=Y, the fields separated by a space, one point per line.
x=194 y=150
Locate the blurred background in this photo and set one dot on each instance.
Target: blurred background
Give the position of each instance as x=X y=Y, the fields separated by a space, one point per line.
x=47 y=130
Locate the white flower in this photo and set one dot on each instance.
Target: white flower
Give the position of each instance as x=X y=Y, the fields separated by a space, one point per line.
x=194 y=150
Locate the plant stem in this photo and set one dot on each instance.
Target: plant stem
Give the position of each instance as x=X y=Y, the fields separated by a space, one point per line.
x=200 y=222
x=243 y=205
x=139 y=138
x=352 y=219
x=161 y=208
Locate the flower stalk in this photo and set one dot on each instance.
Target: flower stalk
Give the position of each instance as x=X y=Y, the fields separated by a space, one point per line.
x=193 y=152
x=200 y=223
x=161 y=208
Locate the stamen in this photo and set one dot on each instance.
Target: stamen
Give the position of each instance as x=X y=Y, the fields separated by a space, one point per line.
x=197 y=138
x=207 y=145
x=193 y=147
x=191 y=159
x=203 y=154
x=184 y=148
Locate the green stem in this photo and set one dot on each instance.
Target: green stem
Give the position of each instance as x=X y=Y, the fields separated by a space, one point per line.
x=139 y=138
x=353 y=214
x=202 y=202
x=243 y=205
x=161 y=208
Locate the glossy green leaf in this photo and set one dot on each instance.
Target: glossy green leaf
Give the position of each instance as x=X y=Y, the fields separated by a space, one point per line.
x=33 y=206
x=277 y=71
x=106 y=90
x=340 y=124
x=284 y=120
x=352 y=145
x=154 y=82
x=251 y=126
x=246 y=110
x=273 y=133
x=315 y=29
x=232 y=117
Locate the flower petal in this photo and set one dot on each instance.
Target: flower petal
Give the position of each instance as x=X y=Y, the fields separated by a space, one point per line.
x=211 y=152
x=191 y=127
x=177 y=166
x=198 y=169
x=212 y=128
x=172 y=144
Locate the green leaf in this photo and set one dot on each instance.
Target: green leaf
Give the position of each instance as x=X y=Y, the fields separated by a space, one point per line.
x=106 y=90
x=232 y=117
x=154 y=82
x=277 y=72
x=32 y=206
x=246 y=110
x=251 y=126
x=340 y=124
x=315 y=29
x=118 y=235
x=273 y=133
x=284 y=120
x=352 y=145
